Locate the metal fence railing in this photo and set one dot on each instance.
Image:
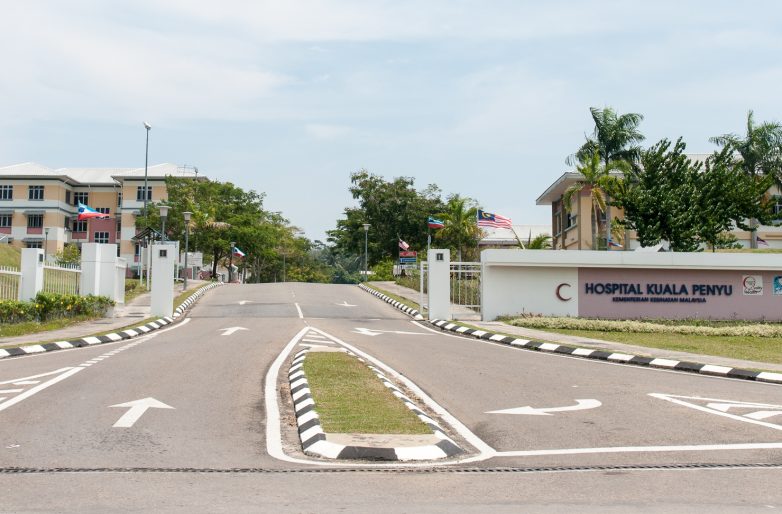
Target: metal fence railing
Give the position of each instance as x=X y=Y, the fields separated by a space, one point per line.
x=62 y=279
x=466 y=284
x=10 y=279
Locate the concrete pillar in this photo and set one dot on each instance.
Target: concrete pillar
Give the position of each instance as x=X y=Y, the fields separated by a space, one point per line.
x=120 y=272
x=98 y=263
x=439 y=284
x=32 y=273
x=163 y=262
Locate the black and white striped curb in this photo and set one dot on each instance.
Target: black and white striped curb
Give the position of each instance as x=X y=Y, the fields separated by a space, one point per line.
x=616 y=357
x=313 y=439
x=108 y=338
x=399 y=305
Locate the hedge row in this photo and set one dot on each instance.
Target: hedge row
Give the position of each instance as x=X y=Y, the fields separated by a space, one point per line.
x=48 y=306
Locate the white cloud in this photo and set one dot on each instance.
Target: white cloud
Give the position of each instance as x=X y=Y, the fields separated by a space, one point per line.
x=327 y=132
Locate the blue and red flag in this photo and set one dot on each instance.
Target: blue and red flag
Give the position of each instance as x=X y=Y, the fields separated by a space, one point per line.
x=86 y=212
x=434 y=223
x=238 y=252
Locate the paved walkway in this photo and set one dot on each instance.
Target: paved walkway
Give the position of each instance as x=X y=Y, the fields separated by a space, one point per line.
x=135 y=311
x=540 y=335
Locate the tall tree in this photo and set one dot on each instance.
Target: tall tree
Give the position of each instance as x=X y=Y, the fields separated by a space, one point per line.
x=615 y=137
x=760 y=151
x=394 y=210
x=461 y=231
x=597 y=181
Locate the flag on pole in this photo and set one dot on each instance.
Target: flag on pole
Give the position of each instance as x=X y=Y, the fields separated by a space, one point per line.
x=238 y=252
x=403 y=245
x=762 y=242
x=613 y=244
x=86 y=212
x=435 y=223
x=488 y=219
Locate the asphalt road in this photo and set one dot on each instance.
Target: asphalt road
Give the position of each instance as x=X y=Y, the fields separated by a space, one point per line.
x=59 y=410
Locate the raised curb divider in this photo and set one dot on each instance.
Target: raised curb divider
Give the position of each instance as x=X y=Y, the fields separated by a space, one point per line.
x=114 y=336
x=588 y=353
x=313 y=438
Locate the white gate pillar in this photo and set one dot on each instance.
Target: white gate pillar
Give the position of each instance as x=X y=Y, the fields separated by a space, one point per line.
x=97 y=269
x=120 y=272
x=32 y=273
x=163 y=262
x=439 y=284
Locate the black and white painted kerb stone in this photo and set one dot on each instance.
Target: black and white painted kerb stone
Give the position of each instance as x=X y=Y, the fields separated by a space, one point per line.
x=314 y=441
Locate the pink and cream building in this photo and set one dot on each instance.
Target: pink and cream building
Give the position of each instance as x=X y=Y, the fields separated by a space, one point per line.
x=38 y=205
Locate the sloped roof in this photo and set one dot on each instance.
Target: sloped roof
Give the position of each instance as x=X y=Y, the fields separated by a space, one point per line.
x=92 y=176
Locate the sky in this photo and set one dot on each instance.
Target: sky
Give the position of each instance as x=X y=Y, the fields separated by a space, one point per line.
x=483 y=98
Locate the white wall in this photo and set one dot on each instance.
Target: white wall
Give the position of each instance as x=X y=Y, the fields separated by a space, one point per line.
x=516 y=290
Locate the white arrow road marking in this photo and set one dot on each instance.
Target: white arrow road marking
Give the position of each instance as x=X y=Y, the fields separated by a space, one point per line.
x=61 y=373
x=345 y=304
x=242 y=302
x=231 y=330
x=373 y=332
x=720 y=408
x=546 y=411
x=137 y=409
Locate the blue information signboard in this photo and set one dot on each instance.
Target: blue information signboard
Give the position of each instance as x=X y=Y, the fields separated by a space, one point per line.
x=408 y=260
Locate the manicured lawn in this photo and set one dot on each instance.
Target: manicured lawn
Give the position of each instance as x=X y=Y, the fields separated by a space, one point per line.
x=350 y=399
x=10 y=256
x=32 y=327
x=760 y=349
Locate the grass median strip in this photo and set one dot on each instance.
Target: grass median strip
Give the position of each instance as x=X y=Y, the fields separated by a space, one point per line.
x=350 y=399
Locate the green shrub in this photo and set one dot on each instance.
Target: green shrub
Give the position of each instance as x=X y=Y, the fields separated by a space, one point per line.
x=48 y=306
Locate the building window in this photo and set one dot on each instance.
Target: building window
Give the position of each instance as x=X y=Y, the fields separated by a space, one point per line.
x=102 y=237
x=34 y=220
x=5 y=220
x=34 y=244
x=137 y=250
x=68 y=197
x=81 y=197
x=119 y=199
x=119 y=225
x=140 y=193
x=571 y=221
x=6 y=192
x=36 y=193
x=103 y=210
x=80 y=226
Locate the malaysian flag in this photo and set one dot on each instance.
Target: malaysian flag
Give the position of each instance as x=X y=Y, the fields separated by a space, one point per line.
x=488 y=219
x=404 y=246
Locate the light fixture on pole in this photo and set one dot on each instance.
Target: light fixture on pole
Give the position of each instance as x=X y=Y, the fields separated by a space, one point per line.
x=146 y=165
x=163 y=217
x=231 y=263
x=366 y=235
x=186 y=215
x=45 y=242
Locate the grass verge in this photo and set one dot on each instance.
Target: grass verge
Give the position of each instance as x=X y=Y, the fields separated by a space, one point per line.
x=33 y=327
x=10 y=256
x=759 y=349
x=350 y=399
x=405 y=301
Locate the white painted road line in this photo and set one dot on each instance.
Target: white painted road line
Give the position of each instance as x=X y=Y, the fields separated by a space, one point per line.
x=680 y=400
x=644 y=449
x=301 y=314
x=64 y=373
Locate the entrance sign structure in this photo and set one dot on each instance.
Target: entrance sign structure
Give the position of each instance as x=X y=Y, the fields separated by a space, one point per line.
x=163 y=263
x=439 y=287
x=628 y=285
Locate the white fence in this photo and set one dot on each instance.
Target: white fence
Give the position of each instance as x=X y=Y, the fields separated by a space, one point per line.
x=9 y=283
x=62 y=279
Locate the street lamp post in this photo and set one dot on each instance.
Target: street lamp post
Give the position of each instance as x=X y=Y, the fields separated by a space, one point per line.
x=366 y=235
x=45 y=242
x=163 y=217
x=146 y=165
x=186 y=215
x=231 y=263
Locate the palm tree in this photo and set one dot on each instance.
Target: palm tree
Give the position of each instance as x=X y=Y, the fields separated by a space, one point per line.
x=539 y=242
x=460 y=218
x=615 y=138
x=598 y=180
x=761 y=154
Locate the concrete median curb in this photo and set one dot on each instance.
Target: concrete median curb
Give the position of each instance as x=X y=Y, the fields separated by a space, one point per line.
x=114 y=336
x=314 y=440
x=588 y=353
